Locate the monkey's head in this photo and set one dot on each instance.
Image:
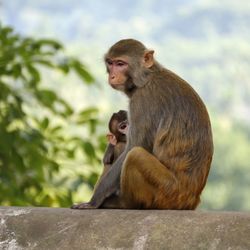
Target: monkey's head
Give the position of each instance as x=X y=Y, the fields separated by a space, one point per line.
x=128 y=65
x=118 y=126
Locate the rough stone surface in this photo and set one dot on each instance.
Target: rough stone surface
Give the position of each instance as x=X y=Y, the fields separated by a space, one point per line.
x=58 y=228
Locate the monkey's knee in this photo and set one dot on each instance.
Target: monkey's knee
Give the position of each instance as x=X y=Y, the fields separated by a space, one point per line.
x=131 y=162
x=136 y=155
x=138 y=150
x=135 y=188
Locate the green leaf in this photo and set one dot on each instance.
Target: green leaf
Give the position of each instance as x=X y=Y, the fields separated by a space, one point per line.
x=71 y=153
x=92 y=125
x=47 y=97
x=64 y=66
x=18 y=161
x=82 y=72
x=47 y=200
x=44 y=62
x=92 y=179
x=5 y=31
x=61 y=182
x=5 y=91
x=68 y=111
x=102 y=143
x=17 y=70
x=76 y=183
x=56 y=129
x=54 y=165
x=35 y=75
x=87 y=114
x=45 y=123
x=89 y=149
x=56 y=45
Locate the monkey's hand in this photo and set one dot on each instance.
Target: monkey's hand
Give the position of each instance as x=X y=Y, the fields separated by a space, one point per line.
x=111 y=138
x=85 y=205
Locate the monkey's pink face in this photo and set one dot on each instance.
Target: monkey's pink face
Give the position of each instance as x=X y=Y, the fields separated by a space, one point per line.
x=117 y=69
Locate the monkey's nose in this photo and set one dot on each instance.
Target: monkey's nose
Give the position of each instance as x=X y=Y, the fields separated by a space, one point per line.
x=111 y=78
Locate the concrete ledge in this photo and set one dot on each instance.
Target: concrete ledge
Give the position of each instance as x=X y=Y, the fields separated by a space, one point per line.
x=58 y=228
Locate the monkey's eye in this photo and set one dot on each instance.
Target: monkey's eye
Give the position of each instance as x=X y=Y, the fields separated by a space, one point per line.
x=109 y=62
x=121 y=63
x=123 y=126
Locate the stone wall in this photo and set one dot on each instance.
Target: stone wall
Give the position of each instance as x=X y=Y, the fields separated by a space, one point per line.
x=58 y=228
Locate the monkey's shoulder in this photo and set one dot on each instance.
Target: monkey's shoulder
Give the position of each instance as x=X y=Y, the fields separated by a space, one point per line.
x=167 y=79
x=172 y=88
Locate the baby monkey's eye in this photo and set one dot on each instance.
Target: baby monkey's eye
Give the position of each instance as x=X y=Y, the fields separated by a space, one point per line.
x=123 y=125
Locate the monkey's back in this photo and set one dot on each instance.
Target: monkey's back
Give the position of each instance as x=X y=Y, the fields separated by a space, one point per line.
x=184 y=140
x=182 y=136
x=187 y=125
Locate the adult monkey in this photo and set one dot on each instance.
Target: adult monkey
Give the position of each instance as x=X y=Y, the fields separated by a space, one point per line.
x=169 y=149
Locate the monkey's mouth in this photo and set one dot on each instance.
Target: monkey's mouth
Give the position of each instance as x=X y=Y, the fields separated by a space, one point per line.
x=117 y=86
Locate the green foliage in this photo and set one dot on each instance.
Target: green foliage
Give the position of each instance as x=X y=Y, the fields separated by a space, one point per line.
x=35 y=124
x=228 y=182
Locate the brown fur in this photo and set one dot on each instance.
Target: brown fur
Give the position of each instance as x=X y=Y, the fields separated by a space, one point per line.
x=169 y=150
x=114 y=151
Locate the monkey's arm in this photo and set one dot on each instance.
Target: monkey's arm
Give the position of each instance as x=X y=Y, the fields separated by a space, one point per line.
x=109 y=184
x=109 y=154
x=108 y=160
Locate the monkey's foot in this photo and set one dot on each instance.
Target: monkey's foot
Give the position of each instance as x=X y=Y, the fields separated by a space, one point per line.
x=85 y=205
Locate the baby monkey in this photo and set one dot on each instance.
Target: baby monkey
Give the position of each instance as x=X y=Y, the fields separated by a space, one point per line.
x=118 y=127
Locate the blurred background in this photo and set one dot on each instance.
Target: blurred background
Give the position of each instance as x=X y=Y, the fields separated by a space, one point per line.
x=55 y=101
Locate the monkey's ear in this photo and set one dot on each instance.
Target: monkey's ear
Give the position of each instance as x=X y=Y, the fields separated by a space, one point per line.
x=148 y=58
